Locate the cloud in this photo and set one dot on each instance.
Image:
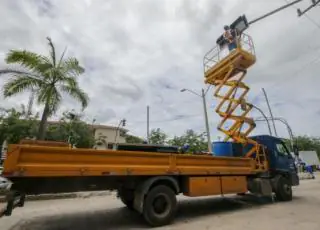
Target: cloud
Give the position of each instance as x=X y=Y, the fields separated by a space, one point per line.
x=138 y=53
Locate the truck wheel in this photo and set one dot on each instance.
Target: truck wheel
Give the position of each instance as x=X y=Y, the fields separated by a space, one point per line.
x=159 y=206
x=284 y=190
x=127 y=197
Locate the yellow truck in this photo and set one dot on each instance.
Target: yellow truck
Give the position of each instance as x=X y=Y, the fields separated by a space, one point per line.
x=148 y=178
x=147 y=182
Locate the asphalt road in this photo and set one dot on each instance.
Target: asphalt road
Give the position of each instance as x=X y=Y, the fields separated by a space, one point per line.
x=101 y=213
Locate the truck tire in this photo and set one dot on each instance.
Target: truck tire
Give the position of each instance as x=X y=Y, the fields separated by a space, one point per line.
x=284 y=189
x=127 y=197
x=159 y=206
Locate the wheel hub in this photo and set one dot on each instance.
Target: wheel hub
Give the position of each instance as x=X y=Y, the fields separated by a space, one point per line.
x=160 y=205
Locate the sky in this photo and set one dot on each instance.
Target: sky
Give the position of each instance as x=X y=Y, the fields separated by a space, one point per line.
x=143 y=52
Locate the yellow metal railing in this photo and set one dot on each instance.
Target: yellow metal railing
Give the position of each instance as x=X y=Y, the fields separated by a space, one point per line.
x=217 y=53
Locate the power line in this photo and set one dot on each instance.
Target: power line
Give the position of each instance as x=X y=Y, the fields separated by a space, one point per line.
x=314 y=3
x=274 y=11
x=169 y=120
x=307 y=16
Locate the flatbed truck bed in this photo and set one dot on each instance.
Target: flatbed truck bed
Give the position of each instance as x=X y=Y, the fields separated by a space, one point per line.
x=146 y=182
x=43 y=161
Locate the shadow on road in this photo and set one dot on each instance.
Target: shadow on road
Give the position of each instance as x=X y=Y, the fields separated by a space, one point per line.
x=122 y=218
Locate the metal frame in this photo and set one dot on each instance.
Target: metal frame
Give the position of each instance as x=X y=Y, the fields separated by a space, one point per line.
x=232 y=101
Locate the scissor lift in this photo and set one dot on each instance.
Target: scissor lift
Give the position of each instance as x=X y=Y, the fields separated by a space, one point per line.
x=226 y=73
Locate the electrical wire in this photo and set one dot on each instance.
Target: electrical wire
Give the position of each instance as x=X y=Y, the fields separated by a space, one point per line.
x=168 y=120
x=307 y=16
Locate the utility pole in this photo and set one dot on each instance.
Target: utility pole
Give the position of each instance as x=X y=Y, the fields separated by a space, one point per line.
x=271 y=115
x=123 y=124
x=206 y=119
x=148 y=125
x=203 y=96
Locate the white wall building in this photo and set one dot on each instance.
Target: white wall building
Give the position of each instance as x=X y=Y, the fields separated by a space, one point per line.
x=104 y=134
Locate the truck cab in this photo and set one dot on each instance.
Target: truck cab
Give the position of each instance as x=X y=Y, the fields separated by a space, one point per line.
x=280 y=159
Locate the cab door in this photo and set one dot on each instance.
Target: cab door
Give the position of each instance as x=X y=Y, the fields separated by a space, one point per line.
x=285 y=162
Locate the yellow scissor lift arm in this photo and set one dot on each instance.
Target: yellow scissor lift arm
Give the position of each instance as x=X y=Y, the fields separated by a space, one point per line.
x=226 y=74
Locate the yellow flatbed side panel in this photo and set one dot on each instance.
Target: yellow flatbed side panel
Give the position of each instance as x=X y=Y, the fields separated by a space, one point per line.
x=214 y=185
x=40 y=161
x=238 y=58
x=234 y=184
x=202 y=186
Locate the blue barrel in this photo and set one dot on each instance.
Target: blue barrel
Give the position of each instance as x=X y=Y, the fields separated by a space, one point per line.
x=226 y=149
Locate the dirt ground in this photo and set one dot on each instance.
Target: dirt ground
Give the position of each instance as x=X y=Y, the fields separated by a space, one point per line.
x=101 y=213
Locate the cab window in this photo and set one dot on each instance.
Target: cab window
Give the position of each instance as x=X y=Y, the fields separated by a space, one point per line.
x=282 y=149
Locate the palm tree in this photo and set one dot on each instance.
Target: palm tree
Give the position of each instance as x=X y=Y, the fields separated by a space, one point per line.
x=48 y=77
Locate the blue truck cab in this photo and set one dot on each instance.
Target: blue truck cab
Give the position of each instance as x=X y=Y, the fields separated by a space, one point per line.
x=281 y=161
x=282 y=173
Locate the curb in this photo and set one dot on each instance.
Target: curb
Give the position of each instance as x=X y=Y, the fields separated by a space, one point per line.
x=64 y=196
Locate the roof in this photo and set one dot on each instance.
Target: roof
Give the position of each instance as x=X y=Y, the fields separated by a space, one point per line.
x=95 y=126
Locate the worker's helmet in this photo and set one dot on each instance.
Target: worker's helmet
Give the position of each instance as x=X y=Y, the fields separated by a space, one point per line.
x=226 y=27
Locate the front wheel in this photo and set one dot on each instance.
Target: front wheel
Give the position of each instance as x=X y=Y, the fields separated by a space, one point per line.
x=283 y=189
x=159 y=206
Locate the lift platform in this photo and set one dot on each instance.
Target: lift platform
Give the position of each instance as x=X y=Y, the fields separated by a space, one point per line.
x=217 y=64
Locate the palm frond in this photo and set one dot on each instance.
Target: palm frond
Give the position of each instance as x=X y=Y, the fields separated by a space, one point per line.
x=28 y=60
x=71 y=66
x=19 y=83
x=67 y=80
x=76 y=93
x=16 y=73
x=52 y=51
x=42 y=94
x=62 y=56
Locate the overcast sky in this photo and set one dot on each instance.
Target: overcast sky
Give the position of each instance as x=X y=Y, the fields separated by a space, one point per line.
x=139 y=53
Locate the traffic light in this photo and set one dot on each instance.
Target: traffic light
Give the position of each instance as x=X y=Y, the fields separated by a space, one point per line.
x=123 y=122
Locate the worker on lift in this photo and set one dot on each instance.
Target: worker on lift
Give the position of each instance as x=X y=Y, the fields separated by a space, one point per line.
x=230 y=37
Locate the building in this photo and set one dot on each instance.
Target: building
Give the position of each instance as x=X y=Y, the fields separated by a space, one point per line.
x=104 y=134
x=309 y=157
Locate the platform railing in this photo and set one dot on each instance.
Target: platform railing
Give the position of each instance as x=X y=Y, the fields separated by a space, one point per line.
x=217 y=53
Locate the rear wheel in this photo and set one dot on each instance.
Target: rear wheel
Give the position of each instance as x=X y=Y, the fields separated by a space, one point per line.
x=127 y=197
x=160 y=206
x=283 y=189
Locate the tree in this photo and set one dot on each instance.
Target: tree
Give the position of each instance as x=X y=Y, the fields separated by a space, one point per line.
x=306 y=143
x=48 y=77
x=196 y=141
x=133 y=139
x=157 y=136
x=71 y=129
x=14 y=126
